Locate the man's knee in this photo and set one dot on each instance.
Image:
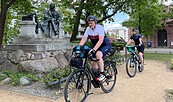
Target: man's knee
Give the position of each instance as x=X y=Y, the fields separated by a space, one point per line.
x=99 y=54
x=93 y=63
x=140 y=54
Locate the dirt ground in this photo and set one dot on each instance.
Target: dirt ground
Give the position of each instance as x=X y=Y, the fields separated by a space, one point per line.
x=148 y=86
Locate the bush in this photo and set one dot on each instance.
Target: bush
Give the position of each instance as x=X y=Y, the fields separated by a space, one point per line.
x=89 y=43
x=15 y=76
x=118 y=46
x=76 y=42
x=2 y=77
x=54 y=75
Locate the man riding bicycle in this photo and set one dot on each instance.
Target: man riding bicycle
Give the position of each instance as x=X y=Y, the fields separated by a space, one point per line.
x=137 y=38
x=102 y=46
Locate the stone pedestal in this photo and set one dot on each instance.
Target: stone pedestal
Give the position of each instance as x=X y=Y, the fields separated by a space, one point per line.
x=27 y=29
x=29 y=41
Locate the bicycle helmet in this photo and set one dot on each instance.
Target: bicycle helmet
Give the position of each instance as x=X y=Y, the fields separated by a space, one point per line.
x=92 y=18
x=135 y=30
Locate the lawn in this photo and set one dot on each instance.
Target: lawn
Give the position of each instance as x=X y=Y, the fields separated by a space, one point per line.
x=158 y=56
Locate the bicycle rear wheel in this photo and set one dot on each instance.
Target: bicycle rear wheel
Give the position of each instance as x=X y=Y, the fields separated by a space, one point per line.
x=131 y=66
x=77 y=86
x=110 y=72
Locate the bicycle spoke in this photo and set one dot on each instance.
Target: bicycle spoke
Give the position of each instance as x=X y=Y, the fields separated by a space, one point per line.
x=77 y=87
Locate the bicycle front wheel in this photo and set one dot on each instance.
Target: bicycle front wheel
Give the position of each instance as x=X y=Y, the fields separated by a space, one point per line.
x=131 y=67
x=110 y=72
x=77 y=86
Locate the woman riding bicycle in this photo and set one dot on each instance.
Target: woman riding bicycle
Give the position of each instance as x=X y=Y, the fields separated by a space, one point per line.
x=102 y=46
x=139 y=43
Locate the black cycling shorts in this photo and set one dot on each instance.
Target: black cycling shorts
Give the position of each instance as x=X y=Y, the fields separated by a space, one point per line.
x=141 y=48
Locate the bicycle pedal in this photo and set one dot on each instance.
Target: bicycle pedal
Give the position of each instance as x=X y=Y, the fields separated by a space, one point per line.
x=108 y=77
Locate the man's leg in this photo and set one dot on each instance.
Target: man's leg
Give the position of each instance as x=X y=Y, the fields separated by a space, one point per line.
x=141 y=57
x=99 y=56
x=94 y=65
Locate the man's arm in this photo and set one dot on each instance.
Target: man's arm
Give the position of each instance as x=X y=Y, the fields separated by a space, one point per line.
x=128 y=43
x=83 y=40
x=140 y=40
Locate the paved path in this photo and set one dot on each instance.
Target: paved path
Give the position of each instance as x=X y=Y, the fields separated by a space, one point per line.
x=159 y=50
x=148 y=86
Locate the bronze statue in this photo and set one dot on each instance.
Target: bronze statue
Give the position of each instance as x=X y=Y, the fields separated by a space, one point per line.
x=51 y=21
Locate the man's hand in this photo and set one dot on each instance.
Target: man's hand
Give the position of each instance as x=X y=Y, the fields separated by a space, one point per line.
x=92 y=52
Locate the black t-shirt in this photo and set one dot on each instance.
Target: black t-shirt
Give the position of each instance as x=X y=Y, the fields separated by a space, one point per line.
x=136 y=39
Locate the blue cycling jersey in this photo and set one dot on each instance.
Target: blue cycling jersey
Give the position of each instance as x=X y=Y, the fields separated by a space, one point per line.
x=136 y=39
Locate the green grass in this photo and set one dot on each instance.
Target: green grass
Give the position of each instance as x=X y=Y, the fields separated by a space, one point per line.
x=158 y=56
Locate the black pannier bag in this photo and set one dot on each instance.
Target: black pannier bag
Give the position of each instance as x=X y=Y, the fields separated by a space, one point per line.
x=76 y=62
x=79 y=52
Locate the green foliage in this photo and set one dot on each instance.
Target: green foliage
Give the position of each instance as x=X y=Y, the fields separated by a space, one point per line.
x=147 y=15
x=89 y=43
x=118 y=57
x=118 y=45
x=55 y=75
x=14 y=12
x=2 y=77
x=15 y=76
x=76 y=42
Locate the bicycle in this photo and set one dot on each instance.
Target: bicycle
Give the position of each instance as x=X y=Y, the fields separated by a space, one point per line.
x=79 y=81
x=133 y=61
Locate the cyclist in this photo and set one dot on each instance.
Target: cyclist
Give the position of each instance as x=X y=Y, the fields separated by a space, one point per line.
x=138 y=41
x=102 y=46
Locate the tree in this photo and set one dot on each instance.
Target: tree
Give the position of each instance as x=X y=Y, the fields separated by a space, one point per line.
x=4 y=8
x=16 y=6
x=147 y=16
x=103 y=9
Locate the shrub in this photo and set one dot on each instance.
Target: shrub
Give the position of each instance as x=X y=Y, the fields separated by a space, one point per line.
x=56 y=74
x=89 y=43
x=15 y=76
x=118 y=46
x=2 y=77
x=76 y=42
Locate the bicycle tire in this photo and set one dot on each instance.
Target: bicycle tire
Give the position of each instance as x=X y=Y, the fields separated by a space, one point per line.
x=110 y=71
x=133 y=66
x=75 y=77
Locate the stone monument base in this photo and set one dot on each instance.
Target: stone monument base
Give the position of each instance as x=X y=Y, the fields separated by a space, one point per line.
x=39 y=44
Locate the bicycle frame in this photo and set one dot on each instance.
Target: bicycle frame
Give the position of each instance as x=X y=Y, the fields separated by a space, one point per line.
x=90 y=72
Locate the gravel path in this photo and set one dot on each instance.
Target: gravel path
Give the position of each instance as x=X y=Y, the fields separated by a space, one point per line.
x=148 y=86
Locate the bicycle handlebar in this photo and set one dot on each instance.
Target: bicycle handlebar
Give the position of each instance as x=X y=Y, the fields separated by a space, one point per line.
x=125 y=43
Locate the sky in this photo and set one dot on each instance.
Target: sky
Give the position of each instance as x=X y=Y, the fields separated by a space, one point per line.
x=120 y=17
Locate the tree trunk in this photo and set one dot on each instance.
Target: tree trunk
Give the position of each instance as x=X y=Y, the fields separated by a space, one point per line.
x=139 y=26
x=146 y=42
x=4 y=8
x=77 y=21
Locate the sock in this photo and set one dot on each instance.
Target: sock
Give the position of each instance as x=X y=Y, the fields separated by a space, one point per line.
x=102 y=73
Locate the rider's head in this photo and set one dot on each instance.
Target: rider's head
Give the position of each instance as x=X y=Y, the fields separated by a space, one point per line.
x=52 y=6
x=135 y=31
x=92 y=21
